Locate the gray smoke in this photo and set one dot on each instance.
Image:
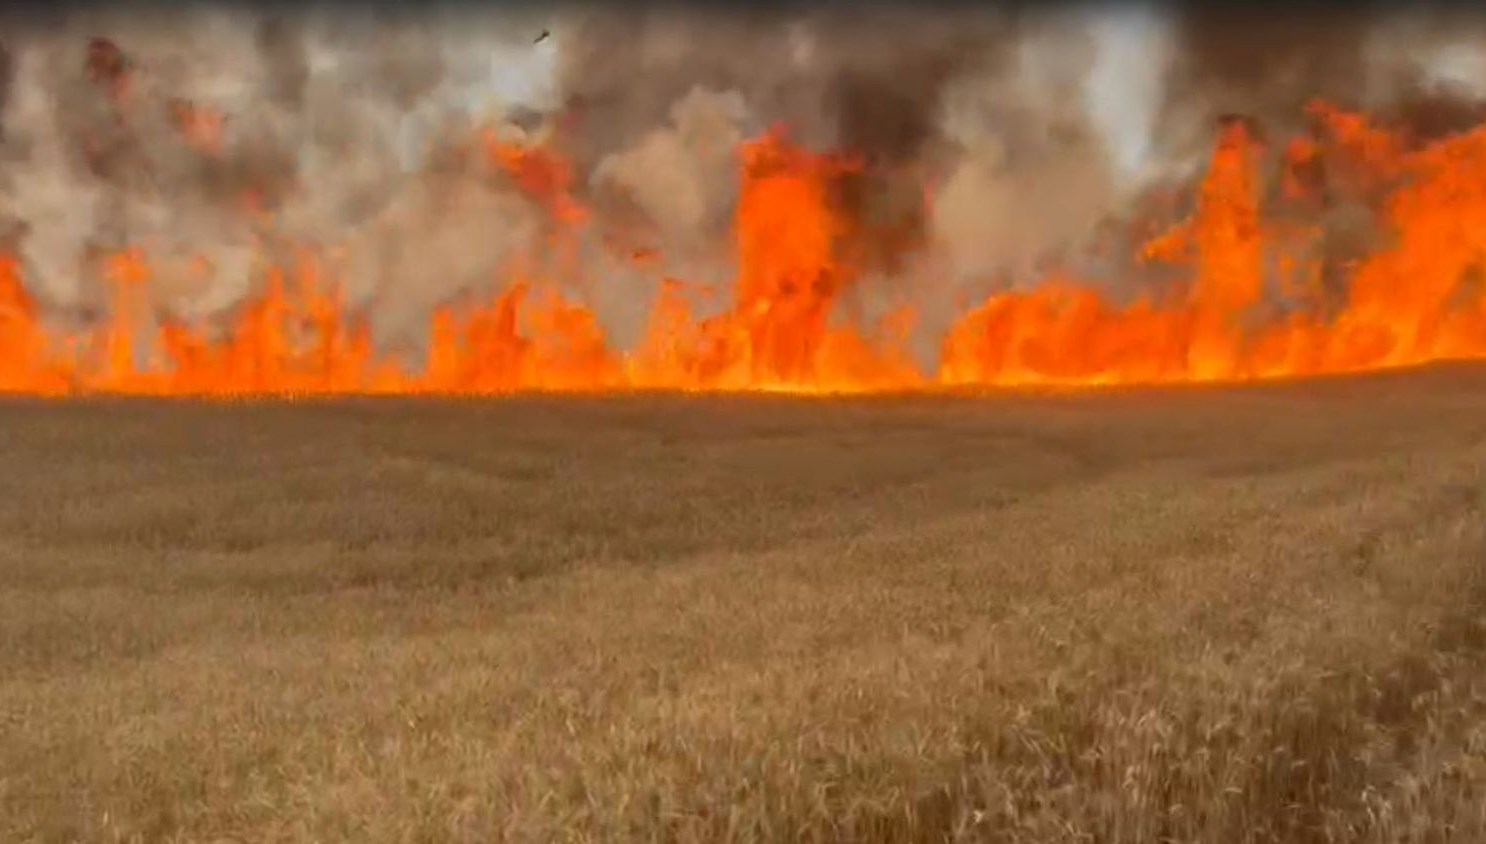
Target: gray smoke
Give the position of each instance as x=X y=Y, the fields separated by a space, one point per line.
x=361 y=136
x=330 y=129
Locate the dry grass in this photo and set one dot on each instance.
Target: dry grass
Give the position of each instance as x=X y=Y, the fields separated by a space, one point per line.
x=1229 y=615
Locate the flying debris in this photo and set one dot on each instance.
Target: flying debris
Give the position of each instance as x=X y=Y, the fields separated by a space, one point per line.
x=543 y=37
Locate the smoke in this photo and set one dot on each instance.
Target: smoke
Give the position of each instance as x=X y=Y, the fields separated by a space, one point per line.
x=674 y=173
x=986 y=106
x=217 y=139
x=654 y=93
x=1032 y=174
x=220 y=140
x=1417 y=69
x=1126 y=85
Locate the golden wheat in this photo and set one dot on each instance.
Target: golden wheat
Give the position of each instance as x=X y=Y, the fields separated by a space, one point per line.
x=1195 y=615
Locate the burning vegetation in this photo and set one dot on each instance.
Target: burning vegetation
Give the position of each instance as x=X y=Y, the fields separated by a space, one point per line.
x=707 y=234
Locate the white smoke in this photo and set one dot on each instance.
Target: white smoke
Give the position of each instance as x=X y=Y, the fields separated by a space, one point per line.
x=358 y=134
x=1126 y=85
x=344 y=146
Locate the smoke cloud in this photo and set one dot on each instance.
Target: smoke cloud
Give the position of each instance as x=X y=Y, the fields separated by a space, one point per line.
x=998 y=145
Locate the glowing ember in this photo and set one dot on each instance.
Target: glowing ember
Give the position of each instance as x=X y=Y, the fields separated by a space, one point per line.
x=1251 y=304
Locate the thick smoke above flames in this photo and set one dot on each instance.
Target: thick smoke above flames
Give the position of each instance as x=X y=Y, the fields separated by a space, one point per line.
x=328 y=128
x=997 y=146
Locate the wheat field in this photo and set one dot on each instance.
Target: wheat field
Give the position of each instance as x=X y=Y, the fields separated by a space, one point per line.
x=1243 y=614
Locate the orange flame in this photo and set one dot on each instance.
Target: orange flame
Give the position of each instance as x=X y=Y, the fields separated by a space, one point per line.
x=1252 y=304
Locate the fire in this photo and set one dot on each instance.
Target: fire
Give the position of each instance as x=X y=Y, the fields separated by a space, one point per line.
x=1252 y=300
x=25 y=365
x=1064 y=333
x=1412 y=302
x=788 y=273
x=791 y=273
